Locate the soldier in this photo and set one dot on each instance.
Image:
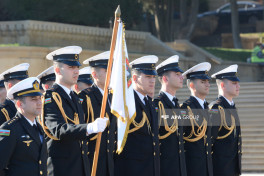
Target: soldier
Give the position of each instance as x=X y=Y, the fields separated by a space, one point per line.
x=140 y=156
x=85 y=80
x=63 y=118
x=227 y=145
x=2 y=91
x=172 y=158
x=11 y=77
x=197 y=129
x=92 y=100
x=47 y=78
x=22 y=145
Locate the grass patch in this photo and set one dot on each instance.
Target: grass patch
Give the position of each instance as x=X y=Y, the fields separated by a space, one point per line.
x=11 y=44
x=228 y=54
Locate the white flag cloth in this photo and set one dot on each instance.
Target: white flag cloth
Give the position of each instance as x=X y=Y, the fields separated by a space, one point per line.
x=123 y=101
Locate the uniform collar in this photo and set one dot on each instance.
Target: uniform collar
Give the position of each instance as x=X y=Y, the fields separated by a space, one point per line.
x=229 y=102
x=201 y=102
x=101 y=90
x=30 y=122
x=141 y=97
x=169 y=96
x=67 y=90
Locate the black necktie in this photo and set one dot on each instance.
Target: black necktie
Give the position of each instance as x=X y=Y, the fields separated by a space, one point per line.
x=37 y=130
x=147 y=107
x=73 y=97
x=175 y=100
x=205 y=105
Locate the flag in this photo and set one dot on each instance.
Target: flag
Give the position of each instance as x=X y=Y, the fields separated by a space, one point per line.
x=123 y=101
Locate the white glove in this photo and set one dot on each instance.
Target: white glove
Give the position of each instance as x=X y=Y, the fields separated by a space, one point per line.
x=97 y=126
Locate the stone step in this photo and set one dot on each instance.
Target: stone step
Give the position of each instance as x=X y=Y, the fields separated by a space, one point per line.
x=252 y=168
x=255 y=116
x=253 y=140
x=252 y=130
x=258 y=135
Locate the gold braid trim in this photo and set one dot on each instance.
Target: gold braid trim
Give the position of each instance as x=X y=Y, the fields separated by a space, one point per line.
x=200 y=131
x=170 y=129
x=58 y=101
x=108 y=124
x=89 y=109
x=5 y=112
x=224 y=124
x=140 y=124
x=45 y=128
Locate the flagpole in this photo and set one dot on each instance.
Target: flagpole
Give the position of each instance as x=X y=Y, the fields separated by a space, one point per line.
x=107 y=81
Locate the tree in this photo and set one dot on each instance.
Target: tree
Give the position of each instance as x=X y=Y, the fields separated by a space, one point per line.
x=235 y=24
x=174 y=19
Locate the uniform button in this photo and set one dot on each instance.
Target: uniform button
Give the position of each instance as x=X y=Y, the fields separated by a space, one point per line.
x=88 y=153
x=207 y=152
x=238 y=151
x=82 y=142
x=154 y=143
x=179 y=142
x=39 y=161
x=154 y=154
x=108 y=150
x=159 y=143
x=184 y=142
x=239 y=135
x=40 y=172
x=87 y=143
x=115 y=141
x=180 y=151
x=160 y=154
x=108 y=141
x=211 y=137
x=206 y=144
x=82 y=152
x=115 y=132
x=108 y=132
x=205 y=136
x=212 y=152
x=238 y=143
x=212 y=145
x=152 y=134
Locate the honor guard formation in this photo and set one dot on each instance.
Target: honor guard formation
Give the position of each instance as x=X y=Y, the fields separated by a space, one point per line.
x=50 y=123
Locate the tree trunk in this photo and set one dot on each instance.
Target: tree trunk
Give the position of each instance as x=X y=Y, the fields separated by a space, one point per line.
x=187 y=25
x=164 y=19
x=235 y=24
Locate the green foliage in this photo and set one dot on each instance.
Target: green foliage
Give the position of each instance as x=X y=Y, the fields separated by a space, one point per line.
x=81 y=12
x=240 y=55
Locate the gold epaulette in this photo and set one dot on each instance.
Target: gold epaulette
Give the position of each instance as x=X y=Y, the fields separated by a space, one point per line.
x=173 y=127
x=12 y=120
x=5 y=112
x=224 y=124
x=200 y=133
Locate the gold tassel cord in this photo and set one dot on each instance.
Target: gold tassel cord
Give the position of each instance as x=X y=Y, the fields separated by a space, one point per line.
x=170 y=129
x=224 y=124
x=42 y=123
x=58 y=101
x=200 y=133
x=89 y=109
x=140 y=124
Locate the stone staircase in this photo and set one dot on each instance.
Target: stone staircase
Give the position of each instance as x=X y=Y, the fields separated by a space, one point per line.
x=250 y=105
